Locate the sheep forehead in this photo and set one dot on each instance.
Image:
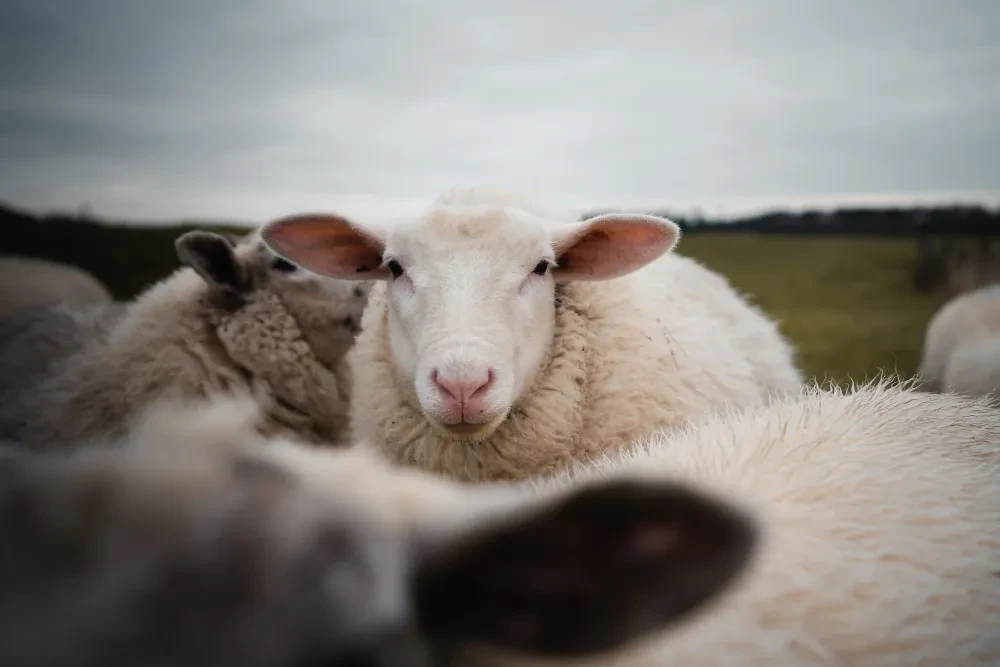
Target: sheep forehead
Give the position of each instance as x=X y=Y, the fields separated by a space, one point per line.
x=500 y=235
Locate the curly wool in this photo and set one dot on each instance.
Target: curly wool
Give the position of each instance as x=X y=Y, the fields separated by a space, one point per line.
x=176 y=339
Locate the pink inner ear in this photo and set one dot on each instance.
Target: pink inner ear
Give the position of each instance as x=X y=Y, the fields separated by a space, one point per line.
x=612 y=246
x=326 y=244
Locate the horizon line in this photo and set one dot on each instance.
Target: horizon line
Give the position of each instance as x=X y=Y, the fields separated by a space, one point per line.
x=730 y=209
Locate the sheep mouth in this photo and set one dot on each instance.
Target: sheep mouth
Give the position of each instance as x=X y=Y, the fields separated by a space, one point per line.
x=467 y=431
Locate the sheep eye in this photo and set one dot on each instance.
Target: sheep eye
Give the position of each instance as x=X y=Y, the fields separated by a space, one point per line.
x=541 y=268
x=283 y=265
x=394 y=268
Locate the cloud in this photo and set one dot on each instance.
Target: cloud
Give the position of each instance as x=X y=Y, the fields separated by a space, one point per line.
x=248 y=108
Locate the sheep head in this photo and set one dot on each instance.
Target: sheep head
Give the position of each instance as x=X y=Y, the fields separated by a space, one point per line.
x=471 y=291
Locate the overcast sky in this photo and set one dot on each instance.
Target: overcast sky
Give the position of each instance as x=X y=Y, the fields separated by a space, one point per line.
x=252 y=109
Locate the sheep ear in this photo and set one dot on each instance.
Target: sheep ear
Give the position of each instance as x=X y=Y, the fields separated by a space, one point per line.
x=586 y=574
x=329 y=245
x=612 y=245
x=213 y=257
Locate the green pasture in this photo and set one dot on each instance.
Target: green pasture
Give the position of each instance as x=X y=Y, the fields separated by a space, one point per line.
x=848 y=303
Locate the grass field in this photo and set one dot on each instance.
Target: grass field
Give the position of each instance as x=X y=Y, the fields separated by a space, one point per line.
x=848 y=303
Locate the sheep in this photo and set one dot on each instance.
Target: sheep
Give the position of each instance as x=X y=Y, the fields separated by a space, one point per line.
x=961 y=350
x=864 y=527
x=505 y=339
x=828 y=528
x=974 y=369
x=126 y=554
x=244 y=550
x=34 y=341
x=234 y=316
x=878 y=526
x=27 y=282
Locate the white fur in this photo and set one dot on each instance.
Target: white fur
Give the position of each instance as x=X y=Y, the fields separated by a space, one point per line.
x=878 y=510
x=961 y=351
x=881 y=517
x=27 y=282
x=284 y=341
x=974 y=368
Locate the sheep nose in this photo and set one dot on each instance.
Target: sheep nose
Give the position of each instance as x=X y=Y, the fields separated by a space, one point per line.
x=464 y=392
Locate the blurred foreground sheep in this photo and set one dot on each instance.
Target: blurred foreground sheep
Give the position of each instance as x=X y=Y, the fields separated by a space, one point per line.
x=236 y=317
x=829 y=528
x=962 y=345
x=27 y=282
x=36 y=342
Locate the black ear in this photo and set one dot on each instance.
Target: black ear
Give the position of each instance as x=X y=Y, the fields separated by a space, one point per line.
x=586 y=574
x=213 y=256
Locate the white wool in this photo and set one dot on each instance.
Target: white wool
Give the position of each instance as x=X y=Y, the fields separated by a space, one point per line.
x=881 y=517
x=973 y=368
x=878 y=511
x=27 y=282
x=958 y=354
x=282 y=339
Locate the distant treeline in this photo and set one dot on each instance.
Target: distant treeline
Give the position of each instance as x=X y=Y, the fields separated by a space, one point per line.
x=126 y=259
x=130 y=258
x=938 y=221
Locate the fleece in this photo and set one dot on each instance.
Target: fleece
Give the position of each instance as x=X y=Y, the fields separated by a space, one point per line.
x=962 y=328
x=27 y=282
x=179 y=339
x=880 y=512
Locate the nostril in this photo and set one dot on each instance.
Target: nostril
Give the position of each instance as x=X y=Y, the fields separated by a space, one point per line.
x=485 y=387
x=442 y=386
x=349 y=322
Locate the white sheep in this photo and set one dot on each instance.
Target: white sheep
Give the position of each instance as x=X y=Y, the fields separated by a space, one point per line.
x=34 y=342
x=961 y=351
x=974 y=368
x=830 y=528
x=878 y=526
x=505 y=338
x=234 y=317
x=27 y=282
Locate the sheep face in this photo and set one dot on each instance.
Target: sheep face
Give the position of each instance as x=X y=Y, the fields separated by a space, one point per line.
x=471 y=293
x=327 y=310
